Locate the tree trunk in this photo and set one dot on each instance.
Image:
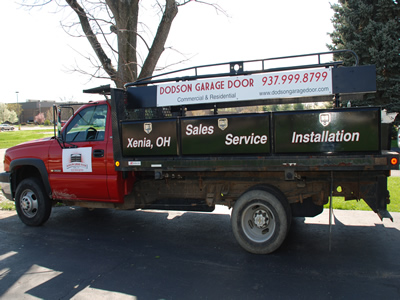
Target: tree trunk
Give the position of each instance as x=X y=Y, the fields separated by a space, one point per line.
x=90 y=35
x=126 y=20
x=125 y=13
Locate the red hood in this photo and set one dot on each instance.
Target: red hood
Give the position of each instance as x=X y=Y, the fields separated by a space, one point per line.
x=31 y=143
x=32 y=149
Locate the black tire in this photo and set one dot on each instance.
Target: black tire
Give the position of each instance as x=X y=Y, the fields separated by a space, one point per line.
x=31 y=202
x=261 y=220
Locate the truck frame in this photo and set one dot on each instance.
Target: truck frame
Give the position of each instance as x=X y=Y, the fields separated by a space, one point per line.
x=153 y=147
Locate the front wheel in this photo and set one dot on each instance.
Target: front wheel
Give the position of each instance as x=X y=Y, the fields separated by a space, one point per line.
x=260 y=221
x=31 y=202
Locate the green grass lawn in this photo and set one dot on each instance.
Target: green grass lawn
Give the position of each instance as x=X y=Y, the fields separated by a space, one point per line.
x=394 y=206
x=12 y=138
x=7 y=205
x=394 y=189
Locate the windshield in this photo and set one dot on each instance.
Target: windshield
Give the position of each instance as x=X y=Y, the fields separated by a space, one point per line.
x=87 y=125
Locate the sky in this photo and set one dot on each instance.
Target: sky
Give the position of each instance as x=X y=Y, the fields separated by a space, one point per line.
x=38 y=56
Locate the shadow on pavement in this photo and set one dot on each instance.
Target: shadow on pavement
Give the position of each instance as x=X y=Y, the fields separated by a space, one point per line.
x=81 y=254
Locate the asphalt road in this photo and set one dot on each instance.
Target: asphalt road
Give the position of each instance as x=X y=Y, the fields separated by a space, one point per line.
x=106 y=254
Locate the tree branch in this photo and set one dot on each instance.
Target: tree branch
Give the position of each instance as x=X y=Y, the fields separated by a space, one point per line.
x=123 y=21
x=101 y=55
x=35 y=5
x=157 y=48
x=215 y=6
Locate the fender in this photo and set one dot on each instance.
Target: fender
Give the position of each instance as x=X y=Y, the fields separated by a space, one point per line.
x=33 y=162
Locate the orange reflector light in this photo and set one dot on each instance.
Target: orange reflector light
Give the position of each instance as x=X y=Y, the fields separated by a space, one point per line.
x=394 y=161
x=117 y=163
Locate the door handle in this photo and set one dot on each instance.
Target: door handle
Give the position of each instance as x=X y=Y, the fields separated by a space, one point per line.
x=98 y=153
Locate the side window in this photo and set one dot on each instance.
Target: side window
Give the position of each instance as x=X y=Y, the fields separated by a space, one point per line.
x=88 y=125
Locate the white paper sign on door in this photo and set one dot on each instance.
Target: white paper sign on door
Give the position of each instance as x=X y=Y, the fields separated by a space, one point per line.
x=77 y=160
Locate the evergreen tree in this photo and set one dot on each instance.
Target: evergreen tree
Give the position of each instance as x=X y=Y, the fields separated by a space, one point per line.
x=371 y=28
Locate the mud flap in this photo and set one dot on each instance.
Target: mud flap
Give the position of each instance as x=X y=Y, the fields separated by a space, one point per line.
x=377 y=196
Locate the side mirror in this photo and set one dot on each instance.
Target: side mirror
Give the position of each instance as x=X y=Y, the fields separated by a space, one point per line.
x=59 y=123
x=61 y=113
x=56 y=121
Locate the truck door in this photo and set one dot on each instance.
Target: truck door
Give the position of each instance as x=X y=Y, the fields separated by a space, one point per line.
x=78 y=171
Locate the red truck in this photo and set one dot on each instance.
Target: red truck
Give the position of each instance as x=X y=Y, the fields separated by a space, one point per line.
x=195 y=141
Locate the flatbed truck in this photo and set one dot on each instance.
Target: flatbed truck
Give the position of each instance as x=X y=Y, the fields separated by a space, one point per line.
x=191 y=142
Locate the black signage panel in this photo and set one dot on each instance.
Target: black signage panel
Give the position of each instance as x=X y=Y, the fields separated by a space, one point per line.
x=147 y=138
x=226 y=134
x=347 y=130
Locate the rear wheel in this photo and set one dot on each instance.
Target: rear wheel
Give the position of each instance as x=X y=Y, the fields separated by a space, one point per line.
x=261 y=220
x=32 y=204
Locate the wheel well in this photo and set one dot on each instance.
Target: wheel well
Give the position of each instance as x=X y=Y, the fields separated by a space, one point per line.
x=26 y=172
x=276 y=192
x=26 y=168
x=269 y=188
x=23 y=172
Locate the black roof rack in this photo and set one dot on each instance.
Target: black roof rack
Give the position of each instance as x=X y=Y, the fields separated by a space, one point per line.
x=102 y=90
x=237 y=68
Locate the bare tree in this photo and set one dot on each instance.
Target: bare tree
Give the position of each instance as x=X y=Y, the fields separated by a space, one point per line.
x=100 y=21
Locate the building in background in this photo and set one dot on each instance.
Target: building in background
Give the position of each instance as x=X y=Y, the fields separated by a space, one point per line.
x=32 y=108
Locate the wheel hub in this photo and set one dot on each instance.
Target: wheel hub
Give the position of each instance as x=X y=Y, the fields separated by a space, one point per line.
x=260 y=218
x=29 y=204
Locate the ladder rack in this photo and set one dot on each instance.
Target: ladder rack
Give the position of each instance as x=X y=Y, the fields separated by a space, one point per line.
x=237 y=68
x=263 y=85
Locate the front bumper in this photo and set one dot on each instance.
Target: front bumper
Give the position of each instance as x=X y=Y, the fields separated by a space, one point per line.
x=6 y=185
